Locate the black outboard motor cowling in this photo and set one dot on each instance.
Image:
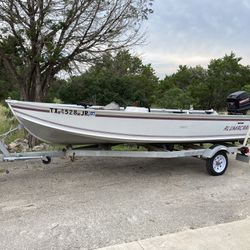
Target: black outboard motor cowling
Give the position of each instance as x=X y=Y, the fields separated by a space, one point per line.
x=238 y=103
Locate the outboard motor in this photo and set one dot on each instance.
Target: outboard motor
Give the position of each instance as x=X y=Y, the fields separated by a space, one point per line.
x=238 y=103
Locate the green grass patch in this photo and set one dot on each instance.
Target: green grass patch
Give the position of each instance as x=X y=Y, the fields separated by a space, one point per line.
x=8 y=121
x=124 y=147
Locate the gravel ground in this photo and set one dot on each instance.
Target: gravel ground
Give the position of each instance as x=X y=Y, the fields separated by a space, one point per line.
x=97 y=202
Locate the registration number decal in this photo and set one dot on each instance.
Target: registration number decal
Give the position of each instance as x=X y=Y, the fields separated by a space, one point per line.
x=72 y=112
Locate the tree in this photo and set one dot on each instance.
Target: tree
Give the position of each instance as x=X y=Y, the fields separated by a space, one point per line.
x=122 y=78
x=179 y=90
x=176 y=98
x=204 y=88
x=51 y=36
x=7 y=87
x=225 y=75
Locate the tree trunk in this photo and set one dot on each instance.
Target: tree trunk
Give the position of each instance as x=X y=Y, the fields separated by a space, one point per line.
x=32 y=91
x=23 y=94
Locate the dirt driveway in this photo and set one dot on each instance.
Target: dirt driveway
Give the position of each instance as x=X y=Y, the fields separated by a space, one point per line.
x=96 y=202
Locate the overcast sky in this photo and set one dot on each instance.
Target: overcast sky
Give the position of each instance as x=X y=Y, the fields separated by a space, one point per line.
x=193 y=32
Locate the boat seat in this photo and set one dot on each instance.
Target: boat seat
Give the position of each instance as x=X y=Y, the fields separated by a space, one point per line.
x=136 y=109
x=112 y=106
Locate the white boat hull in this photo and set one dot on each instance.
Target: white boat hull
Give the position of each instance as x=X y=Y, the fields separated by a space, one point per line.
x=73 y=124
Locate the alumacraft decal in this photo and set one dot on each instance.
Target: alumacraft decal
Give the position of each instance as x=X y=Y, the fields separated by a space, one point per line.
x=236 y=128
x=71 y=112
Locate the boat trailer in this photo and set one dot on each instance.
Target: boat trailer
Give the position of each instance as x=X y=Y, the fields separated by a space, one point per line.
x=215 y=156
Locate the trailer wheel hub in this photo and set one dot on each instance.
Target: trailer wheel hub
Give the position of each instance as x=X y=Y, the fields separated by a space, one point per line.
x=219 y=163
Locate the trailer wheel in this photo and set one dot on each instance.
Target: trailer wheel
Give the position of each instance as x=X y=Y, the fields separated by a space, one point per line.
x=217 y=165
x=47 y=161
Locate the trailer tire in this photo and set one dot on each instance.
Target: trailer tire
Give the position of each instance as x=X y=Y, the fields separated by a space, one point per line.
x=47 y=161
x=217 y=165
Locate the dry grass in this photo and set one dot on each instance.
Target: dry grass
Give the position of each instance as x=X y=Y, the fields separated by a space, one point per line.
x=4 y=123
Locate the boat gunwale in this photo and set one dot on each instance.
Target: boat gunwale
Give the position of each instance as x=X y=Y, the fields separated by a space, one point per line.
x=140 y=115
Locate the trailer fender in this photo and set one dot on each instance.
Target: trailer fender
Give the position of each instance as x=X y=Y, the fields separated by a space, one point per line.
x=210 y=152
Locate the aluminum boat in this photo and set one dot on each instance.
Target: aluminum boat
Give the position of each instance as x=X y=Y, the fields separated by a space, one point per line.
x=76 y=124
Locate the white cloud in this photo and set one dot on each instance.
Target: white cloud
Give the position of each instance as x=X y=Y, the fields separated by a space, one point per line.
x=246 y=3
x=175 y=58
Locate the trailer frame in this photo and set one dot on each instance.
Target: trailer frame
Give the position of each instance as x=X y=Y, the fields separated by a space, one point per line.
x=215 y=156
